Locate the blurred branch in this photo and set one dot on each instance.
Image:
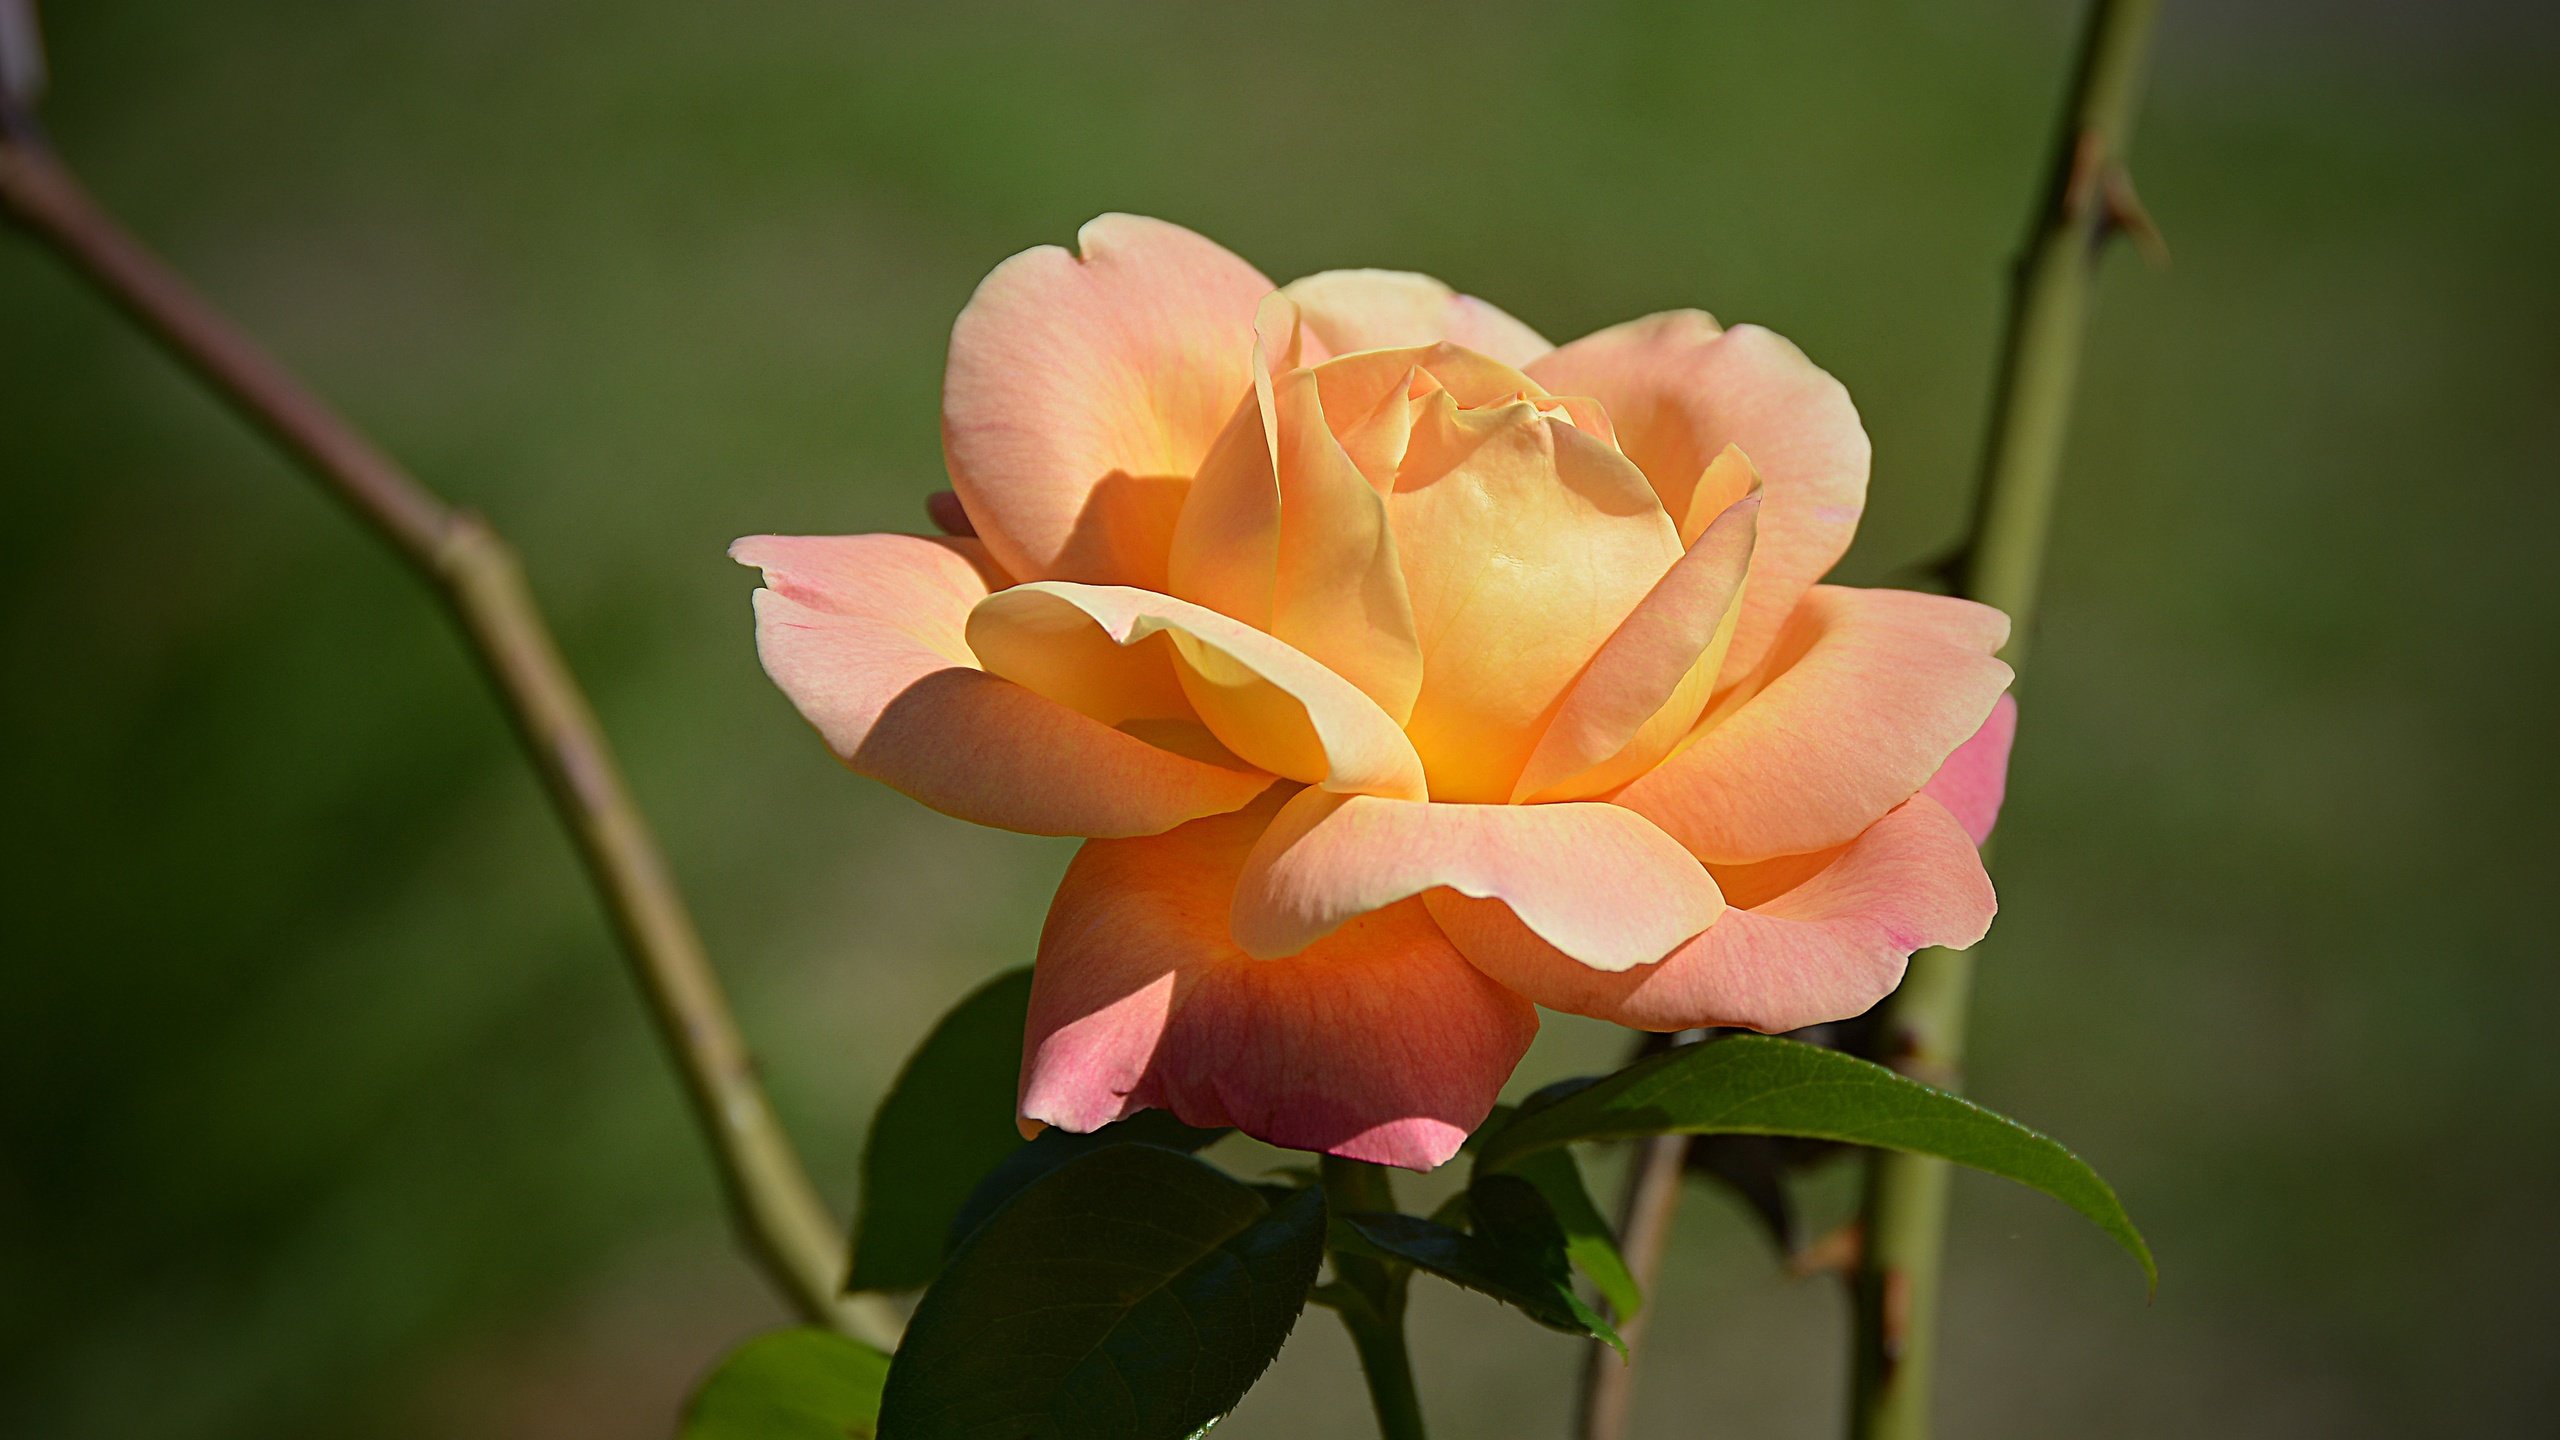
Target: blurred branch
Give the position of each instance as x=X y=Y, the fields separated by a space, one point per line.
x=2087 y=200
x=480 y=581
x=1645 y=1208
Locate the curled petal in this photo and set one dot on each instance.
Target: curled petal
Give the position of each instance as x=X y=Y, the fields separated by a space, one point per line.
x=864 y=633
x=1976 y=778
x=1809 y=939
x=1594 y=880
x=1525 y=542
x=1264 y=699
x=1379 y=1043
x=1866 y=695
x=1283 y=532
x=1083 y=389
x=1681 y=389
x=1650 y=681
x=1378 y=309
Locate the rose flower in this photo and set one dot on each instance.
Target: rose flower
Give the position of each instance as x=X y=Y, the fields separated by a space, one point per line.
x=1407 y=673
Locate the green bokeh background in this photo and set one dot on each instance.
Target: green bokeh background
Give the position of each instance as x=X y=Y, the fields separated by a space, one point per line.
x=325 y=1108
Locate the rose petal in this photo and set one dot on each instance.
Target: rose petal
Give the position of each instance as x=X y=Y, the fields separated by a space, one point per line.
x=1596 y=881
x=1810 y=938
x=1680 y=390
x=1379 y=1043
x=864 y=633
x=1283 y=532
x=1866 y=695
x=1376 y=309
x=1976 y=778
x=1264 y=699
x=1525 y=543
x=1083 y=389
x=1645 y=689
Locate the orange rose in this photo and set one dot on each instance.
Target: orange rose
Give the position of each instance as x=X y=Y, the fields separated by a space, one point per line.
x=1407 y=670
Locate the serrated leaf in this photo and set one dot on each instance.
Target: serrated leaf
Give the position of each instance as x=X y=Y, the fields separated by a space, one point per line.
x=1131 y=1294
x=1761 y=1085
x=1054 y=1147
x=1517 y=1275
x=946 y=1122
x=802 y=1384
x=1589 y=1240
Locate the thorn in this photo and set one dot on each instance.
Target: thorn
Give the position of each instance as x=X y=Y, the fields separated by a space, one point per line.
x=2088 y=173
x=1836 y=1253
x=1894 y=1325
x=2124 y=215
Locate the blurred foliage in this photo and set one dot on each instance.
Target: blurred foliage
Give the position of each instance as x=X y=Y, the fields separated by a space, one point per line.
x=323 y=1106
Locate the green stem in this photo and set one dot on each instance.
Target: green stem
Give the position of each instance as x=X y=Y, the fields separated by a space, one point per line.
x=1373 y=1311
x=2087 y=199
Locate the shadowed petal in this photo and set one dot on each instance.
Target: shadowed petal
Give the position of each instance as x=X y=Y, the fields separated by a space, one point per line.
x=1807 y=939
x=1680 y=390
x=1866 y=695
x=864 y=633
x=1597 y=881
x=1083 y=389
x=1379 y=1043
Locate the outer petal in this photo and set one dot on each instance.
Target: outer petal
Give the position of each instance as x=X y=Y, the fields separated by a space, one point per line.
x=1262 y=698
x=1525 y=542
x=1647 y=686
x=1379 y=1043
x=1083 y=389
x=864 y=633
x=1822 y=938
x=1680 y=389
x=1866 y=695
x=1594 y=880
x=1976 y=778
x=1375 y=309
x=1283 y=532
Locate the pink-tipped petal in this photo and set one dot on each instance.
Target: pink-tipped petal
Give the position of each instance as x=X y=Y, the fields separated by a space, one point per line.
x=865 y=634
x=1865 y=696
x=1596 y=881
x=1380 y=309
x=1083 y=389
x=1650 y=681
x=1264 y=699
x=1809 y=939
x=1379 y=1043
x=1976 y=778
x=1680 y=390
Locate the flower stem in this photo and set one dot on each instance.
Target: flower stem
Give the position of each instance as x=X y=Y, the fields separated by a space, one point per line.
x=478 y=578
x=2087 y=200
x=1373 y=1307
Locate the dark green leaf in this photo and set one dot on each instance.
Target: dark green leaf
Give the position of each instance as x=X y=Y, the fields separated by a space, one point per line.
x=1131 y=1294
x=945 y=1123
x=1512 y=1262
x=1589 y=1241
x=1055 y=1147
x=790 y=1385
x=1760 y=1085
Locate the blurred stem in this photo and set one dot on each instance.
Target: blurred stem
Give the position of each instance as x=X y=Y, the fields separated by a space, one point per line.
x=478 y=578
x=1373 y=1308
x=1645 y=1208
x=2087 y=200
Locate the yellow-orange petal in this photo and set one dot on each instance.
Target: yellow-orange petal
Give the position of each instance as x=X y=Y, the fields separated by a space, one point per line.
x=1083 y=389
x=1680 y=390
x=1379 y=1042
x=1598 y=882
x=1283 y=532
x=1646 y=688
x=1525 y=542
x=864 y=634
x=1865 y=696
x=1264 y=699
x=1807 y=940
x=1379 y=309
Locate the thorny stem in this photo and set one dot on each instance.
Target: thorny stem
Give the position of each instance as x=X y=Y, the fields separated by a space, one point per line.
x=480 y=581
x=2087 y=200
x=1372 y=1303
